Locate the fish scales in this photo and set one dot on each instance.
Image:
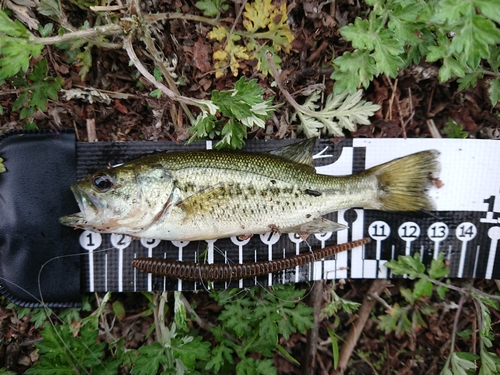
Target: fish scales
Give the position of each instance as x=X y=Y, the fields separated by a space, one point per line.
x=209 y=194
x=250 y=190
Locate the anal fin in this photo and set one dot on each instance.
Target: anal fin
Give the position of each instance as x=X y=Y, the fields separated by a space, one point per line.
x=320 y=225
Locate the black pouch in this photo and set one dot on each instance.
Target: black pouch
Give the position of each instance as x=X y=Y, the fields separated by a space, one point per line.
x=39 y=261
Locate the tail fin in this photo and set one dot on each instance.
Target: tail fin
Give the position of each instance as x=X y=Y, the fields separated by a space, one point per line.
x=404 y=182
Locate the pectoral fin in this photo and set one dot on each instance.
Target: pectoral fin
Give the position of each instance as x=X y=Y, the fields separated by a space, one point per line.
x=316 y=226
x=205 y=200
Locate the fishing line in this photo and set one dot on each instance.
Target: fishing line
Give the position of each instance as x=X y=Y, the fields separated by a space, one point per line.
x=49 y=312
x=245 y=290
x=228 y=260
x=346 y=246
x=200 y=271
x=309 y=290
x=49 y=318
x=205 y=255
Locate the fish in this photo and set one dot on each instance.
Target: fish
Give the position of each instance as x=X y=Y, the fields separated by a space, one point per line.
x=207 y=195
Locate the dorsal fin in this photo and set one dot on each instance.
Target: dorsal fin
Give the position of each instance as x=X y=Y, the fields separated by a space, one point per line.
x=301 y=152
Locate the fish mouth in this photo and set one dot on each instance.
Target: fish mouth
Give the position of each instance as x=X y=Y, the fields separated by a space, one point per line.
x=90 y=208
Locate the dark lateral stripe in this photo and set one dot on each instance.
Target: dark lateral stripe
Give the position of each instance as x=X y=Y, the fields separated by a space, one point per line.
x=313 y=192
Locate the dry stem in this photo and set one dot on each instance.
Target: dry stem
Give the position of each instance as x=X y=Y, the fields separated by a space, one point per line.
x=150 y=18
x=309 y=364
x=111 y=29
x=363 y=314
x=127 y=42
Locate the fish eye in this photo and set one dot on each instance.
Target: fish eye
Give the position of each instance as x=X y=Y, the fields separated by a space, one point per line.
x=102 y=182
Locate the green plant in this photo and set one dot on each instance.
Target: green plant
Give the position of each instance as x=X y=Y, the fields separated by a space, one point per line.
x=454 y=130
x=36 y=90
x=397 y=320
x=337 y=304
x=239 y=108
x=72 y=347
x=331 y=309
x=339 y=112
x=79 y=52
x=262 y=21
x=247 y=333
x=174 y=351
x=67 y=351
x=398 y=33
x=252 y=322
x=212 y=8
x=37 y=316
x=408 y=319
x=5 y=372
x=16 y=48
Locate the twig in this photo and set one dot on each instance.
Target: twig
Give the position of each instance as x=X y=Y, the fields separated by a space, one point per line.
x=288 y=96
x=112 y=29
x=107 y=8
x=111 y=94
x=10 y=92
x=150 y=18
x=444 y=347
x=433 y=129
x=30 y=342
x=388 y=115
x=469 y=289
x=317 y=52
x=127 y=43
x=380 y=300
x=412 y=111
x=158 y=57
x=456 y=320
x=455 y=329
x=399 y=111
x=474 y=334
x=238 y=16
x=91 y=132
x=309 y=364
x=76 y=131
x=201 y=323
x=364 y=311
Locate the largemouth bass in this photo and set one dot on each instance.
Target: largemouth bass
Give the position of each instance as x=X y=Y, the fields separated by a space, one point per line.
x=201 y=195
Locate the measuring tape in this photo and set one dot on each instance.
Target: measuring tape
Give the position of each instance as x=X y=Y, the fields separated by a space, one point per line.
x=465 y=227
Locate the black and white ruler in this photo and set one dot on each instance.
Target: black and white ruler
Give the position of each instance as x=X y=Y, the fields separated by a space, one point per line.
x=465 y=227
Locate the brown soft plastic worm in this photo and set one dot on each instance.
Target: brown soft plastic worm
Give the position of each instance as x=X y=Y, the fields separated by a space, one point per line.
x=191 y=271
